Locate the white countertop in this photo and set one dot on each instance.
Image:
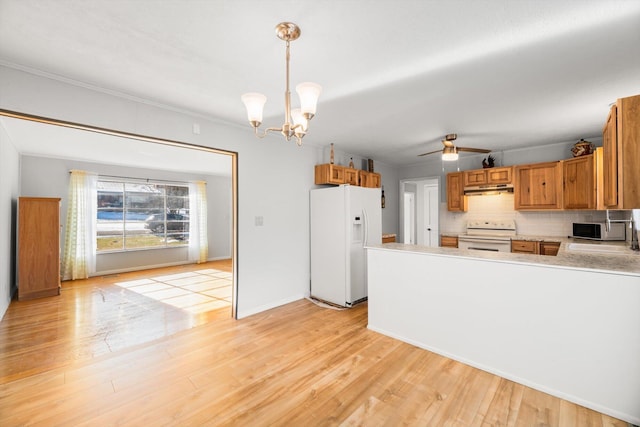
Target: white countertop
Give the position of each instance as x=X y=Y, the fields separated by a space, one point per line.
x=627 y=262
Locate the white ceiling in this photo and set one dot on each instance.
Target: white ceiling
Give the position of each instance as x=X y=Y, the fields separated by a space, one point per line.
x=396 y=75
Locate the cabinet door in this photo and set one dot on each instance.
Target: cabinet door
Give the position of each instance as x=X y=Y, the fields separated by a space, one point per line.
x=537 y=186
x=456 y=200
x=448 y=241
x=329 y=174
x=351 y=176
x=38 y=247
x=579 y=183
x=549 y=248
x=499 y=175
x=475 y=177
x=610 y=160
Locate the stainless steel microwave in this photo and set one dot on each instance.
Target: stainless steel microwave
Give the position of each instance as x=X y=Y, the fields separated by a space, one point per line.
x=599 y=231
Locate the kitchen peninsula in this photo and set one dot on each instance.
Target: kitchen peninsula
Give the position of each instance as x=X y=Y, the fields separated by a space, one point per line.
x=567 y=325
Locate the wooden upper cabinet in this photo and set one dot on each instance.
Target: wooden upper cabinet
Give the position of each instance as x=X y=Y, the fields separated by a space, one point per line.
x=369 y=179
x=456 y=200
x=477 y=177
x=621 y=156
x=579 y=182
x=610 y=160
x=538 y=186
x=500 y=175
x=329 y=173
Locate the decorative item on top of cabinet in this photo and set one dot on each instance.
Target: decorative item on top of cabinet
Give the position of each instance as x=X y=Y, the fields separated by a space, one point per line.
x=579 y=182
x=38 y=247
x=538 y=186
x=456 y=200
x=621 y=151
x=448 y=241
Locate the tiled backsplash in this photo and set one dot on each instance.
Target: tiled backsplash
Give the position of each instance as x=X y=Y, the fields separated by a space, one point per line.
x=498 y=207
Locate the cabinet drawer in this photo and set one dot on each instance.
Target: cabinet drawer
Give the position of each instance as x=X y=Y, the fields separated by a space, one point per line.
x=524 y=246
x=449 y=241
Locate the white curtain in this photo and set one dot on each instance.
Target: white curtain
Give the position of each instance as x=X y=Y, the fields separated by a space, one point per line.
x=79 y=256
x=198 y=239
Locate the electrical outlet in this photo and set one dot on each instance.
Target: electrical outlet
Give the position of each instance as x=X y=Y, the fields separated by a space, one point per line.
x=259 y=221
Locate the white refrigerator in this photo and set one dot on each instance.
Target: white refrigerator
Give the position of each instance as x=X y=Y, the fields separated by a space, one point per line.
x=344 y=220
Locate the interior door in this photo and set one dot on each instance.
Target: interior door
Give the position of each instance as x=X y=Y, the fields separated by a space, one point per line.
x=430 y=212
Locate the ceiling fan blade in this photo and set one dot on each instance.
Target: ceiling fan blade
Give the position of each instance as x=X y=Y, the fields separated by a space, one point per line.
x=430 y=152
x=474 y=150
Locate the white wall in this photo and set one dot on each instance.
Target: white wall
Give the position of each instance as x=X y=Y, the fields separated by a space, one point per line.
x=49 y=177
x=9 y=189
x=274 y=177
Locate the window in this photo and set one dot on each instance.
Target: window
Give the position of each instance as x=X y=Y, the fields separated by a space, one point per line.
x=138 y=215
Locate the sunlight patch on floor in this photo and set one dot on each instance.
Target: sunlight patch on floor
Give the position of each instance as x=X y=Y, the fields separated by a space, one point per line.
x=197 y=291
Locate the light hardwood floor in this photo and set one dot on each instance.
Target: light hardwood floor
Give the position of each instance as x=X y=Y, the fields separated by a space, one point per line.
x=296 y=365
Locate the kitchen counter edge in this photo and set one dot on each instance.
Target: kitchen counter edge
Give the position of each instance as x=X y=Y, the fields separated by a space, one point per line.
x=627 y=264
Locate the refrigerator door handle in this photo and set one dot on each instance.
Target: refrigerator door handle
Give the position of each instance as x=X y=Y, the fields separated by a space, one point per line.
x=366 y=227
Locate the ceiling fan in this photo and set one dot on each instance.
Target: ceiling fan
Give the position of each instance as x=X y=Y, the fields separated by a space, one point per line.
x=450 y=151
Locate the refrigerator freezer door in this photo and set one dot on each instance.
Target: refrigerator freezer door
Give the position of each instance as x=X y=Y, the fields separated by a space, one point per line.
x=365 y=204
x=329 y=237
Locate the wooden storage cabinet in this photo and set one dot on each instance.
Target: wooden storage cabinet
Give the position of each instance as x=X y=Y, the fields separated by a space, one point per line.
x=579 y=182
x=549 y=248
x=329 y=174
x=334 y=174
x=475 y=177
x=503 y=175
x=621 y=151
x=369 y=179
x=500 y=175
x=525 y=246
x=38 y=247
x=456 y=200
x=538 y=186
x=449 y=241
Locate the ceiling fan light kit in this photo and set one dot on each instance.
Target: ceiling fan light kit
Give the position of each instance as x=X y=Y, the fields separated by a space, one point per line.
x=296 y=121
x=450 y=151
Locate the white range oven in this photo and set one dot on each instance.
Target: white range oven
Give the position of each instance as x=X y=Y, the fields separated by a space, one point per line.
x=492 y=236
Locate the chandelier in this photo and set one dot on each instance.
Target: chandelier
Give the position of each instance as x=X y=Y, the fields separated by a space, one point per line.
x=296 y=121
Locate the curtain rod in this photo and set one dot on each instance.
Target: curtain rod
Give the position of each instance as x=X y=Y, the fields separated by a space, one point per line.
x=140 y=179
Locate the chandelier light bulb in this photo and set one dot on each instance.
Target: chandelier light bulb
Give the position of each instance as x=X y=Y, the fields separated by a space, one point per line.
x=309 y=93
x=254 y=102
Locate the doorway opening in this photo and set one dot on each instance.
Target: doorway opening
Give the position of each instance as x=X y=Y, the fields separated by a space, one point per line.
x=420 y=211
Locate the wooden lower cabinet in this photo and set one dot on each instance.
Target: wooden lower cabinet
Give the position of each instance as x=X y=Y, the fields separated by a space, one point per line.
x=38 y=247
x=449 y=241
x=549 y=248
x=535 y=247
x=525 y=247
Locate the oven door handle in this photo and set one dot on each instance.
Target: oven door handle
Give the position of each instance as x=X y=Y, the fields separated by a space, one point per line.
x=462 y=239
x=483 y=249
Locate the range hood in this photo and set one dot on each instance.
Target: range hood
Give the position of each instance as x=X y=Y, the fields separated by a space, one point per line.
x=487 y=190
